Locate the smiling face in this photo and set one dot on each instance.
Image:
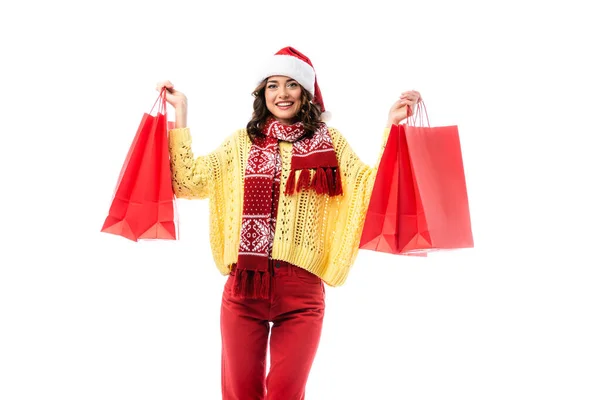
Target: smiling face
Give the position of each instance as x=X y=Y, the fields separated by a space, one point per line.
x=283 y=98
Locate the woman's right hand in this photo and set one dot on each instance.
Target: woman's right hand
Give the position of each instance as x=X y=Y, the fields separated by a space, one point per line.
x=176 y=99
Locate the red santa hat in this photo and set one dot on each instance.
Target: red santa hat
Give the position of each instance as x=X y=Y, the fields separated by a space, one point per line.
x=290 y=62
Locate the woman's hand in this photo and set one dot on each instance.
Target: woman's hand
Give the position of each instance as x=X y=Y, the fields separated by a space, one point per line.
x=399 y=109
x=176 y=99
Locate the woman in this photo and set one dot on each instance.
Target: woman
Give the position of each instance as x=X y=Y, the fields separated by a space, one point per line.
x=288 y=198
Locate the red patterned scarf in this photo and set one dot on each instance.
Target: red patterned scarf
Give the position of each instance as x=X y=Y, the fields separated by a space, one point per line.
x=261 y=195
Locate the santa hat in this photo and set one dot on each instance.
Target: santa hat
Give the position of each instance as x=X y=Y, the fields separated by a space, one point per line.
x=290 y=62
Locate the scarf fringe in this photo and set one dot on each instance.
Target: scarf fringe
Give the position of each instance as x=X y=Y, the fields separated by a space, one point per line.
x=324 y=181
x=265 y=287
x=330 y=181
x=319 y=182
x=338 y=183
x=256 y=290
x=303 y=180
x=291 y=183
x=250 y=284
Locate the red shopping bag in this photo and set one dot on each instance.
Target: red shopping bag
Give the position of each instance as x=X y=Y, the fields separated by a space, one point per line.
x=143 y=206
x=419 y=201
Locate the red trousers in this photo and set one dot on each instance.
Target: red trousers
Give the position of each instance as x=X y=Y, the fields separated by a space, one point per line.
x=296 y=308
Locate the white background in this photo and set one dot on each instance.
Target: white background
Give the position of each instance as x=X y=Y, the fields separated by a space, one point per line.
x=88 y=315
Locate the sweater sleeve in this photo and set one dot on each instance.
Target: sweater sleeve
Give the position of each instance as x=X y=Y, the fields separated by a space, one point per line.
x=349 y=211
x=193 y=177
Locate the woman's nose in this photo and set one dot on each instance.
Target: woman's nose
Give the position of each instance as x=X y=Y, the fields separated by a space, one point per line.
x=283 y=93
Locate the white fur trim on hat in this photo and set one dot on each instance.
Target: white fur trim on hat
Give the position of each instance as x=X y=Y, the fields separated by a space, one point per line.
x=291 y=66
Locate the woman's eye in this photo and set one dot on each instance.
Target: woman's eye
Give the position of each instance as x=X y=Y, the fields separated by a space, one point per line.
x=293 y=84
x=271 y=86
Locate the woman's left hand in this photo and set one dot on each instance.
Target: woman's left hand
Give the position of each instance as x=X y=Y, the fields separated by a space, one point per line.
x=399 y=109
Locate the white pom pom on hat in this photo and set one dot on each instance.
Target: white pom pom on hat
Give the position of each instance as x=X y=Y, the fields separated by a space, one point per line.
x=290 y=62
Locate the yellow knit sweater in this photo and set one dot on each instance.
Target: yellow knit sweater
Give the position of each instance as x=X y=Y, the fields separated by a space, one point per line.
x=315 y=232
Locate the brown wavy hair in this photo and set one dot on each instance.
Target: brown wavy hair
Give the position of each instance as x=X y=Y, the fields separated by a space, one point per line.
x=309 y=113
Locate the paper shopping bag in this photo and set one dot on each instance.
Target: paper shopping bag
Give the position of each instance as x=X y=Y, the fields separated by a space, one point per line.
x=419 y=201
x=143 y=205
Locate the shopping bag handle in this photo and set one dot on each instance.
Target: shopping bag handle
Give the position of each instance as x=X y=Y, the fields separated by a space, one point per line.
x=417 y=115
x=162 y=106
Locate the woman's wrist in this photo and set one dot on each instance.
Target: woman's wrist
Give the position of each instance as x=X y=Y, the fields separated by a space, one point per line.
x=181 y=115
